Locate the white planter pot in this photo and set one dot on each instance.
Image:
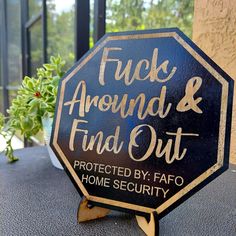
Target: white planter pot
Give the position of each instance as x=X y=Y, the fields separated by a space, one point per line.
x=47 y=130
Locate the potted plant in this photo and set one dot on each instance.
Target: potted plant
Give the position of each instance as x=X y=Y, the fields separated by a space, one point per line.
x=33 y=107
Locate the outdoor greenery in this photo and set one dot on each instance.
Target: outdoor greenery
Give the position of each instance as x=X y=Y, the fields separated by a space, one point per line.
x=61 y=33
x=125 y=15
x=121 y=15
x=35 y=99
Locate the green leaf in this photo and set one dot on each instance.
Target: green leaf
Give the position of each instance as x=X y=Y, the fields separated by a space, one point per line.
x=26 y=123
x=49 y=67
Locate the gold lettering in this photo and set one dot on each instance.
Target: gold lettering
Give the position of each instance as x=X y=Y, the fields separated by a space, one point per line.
x=161 y=111
x=121 y=106
x=104 y=105
x=153 y=74
x=90 y=146
x=74 y=100
x=155 y=106
x=132 y=143
x=110 y=144
x=136 y=74
x=160 y=150
x=104 y=60
x=73 y=131
x=188 y=102
x=113 y=141
x=89 y=102
x=165 y=151
x=178 y=135
x=124 y=72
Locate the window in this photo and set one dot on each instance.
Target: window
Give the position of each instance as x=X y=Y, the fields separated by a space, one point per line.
x=61 y=25
x=35 y=47
x=14 y=43
x=34 y=6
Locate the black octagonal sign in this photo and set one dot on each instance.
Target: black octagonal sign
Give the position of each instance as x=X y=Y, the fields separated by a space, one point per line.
x=143 y=121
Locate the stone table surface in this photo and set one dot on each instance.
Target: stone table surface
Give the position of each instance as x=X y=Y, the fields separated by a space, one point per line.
x=38 y=199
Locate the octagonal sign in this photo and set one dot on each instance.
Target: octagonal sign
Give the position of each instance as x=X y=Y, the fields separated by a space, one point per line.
x=143 y=121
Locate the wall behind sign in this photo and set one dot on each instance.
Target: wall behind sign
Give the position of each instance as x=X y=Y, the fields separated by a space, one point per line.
x=214 y=32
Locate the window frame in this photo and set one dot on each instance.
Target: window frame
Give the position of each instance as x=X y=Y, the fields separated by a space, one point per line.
x=82 y=35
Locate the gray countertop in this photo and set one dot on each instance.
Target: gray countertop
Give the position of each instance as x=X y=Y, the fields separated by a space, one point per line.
x=38 y=199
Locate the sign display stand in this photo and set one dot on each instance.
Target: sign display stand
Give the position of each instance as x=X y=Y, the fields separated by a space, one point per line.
x=142 y=123
x=151 y=227
x=87 y=212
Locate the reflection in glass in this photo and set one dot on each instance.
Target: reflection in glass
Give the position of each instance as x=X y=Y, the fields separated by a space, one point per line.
x=35 y=7
x=61 y=30
x=36 y=47
x=122 y=15
x=14 y=43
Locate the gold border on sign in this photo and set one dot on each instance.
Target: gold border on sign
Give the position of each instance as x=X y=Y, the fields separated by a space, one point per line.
x=222 y=129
